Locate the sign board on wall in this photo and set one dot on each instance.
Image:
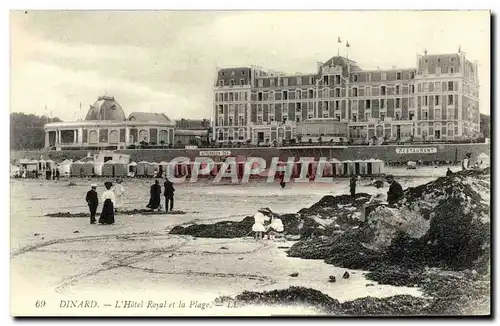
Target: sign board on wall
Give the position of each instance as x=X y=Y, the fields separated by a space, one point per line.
x=416 y=150
x=215 y=153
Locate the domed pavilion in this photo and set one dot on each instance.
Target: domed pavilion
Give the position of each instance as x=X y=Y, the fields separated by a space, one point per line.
x=106 y=126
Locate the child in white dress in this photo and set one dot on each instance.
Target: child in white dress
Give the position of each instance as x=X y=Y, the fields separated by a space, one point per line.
x=258 y=226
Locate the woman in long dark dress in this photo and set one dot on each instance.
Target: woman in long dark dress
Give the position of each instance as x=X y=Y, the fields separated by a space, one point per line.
x=155 y=199
x=108 y=209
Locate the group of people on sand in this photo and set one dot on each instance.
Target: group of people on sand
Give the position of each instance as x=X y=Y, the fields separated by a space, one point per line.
x=267 y=223
x=112 y=199
x=155 y=196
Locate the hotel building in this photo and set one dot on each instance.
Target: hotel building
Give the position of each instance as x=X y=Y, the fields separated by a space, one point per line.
x=437 y=100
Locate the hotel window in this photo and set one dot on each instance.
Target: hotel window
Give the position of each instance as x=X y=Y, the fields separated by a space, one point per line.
x=230 y=97
x=337 y=79
x=426 y=87
x=259 y=120
x=451 y=70
x=325 y=113
x=382 y=104
x=285 y=81
x=450 y=114
x=383 y=76
x=325 y=80
x=337 y=116
x=398 y=76
x=298 y=107
x=337 y=92
x=231 y=82
x=368 y=91
x=271 y=96
x=368 y=77
x=259 y=108
x=259 y=96
x=368 y=116
x=398 y=89
x=221 y=121
x=242 y=121
x=382 y=90
x=382 y=116
x=355 y=78
x=311 y=93
x=311 y=80
x=354 y=118
x=221 y=109
x=221 y=83
x=450 y=86
x=271 y=82
x=437 y=114
x=437 y=87
x=436 y=100
x=368 y=104
x=260 y=83
x=450 y=99
x=411 y=115
x=285 y=95
x=230 y=121
x=425 y=116
x=236 y=96
x=426 y=100
x=337 y=105
x=355 y=91
x=398 y=117
x=398 y=103
x=299 y=80
x=412 y=89
x=412 y=75
x=298 y=94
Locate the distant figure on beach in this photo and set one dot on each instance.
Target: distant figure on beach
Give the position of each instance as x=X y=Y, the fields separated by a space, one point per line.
x=93 y=201
x=395 y=190
x=108 y=209
x=169 y=194
x=275 y=227
x=282 y=181
x=119 y=191
x=449 y=172
x=352 y=186
x=58 y=174
x=155 y=196
x=465 y=161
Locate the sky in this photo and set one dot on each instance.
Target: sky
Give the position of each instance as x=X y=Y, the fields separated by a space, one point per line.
x=166 y=61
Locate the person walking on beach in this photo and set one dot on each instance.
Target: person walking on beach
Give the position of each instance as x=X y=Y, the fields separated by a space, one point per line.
x=169 y=195
x=155 y=196
x=119 y=191
x=93 y=201
x=352 y=185
x=395 y=190
x=449 y=173
x=108 y=209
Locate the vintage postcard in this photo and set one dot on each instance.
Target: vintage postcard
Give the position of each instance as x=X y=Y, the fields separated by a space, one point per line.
x=250 y=163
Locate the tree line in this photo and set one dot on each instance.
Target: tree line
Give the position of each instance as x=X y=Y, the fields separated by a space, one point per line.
x=26 y=130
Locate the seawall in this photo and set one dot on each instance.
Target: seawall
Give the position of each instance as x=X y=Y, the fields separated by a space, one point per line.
x=387 y=153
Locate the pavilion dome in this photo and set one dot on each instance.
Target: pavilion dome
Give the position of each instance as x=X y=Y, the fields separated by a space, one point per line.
x=105 y=108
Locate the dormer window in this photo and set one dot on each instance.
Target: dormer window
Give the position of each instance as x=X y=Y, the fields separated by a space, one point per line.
x=221 y=83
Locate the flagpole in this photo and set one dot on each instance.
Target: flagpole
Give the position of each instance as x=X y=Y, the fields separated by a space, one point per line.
x=348 y=89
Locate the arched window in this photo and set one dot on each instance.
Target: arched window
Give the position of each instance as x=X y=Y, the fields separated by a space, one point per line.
x=163 y=136
x=220 y=134
x=241 y=134
x=93 y=137
x=113 y=137
x=143 y=135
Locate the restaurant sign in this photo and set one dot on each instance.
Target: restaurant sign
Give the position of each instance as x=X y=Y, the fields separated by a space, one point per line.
x=215 y=153
x=416 y=150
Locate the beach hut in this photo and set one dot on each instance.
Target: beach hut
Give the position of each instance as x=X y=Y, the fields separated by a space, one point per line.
x=88 y=168
x=336 y=167
x=76 y=169
x=163 y=168
x=150 y=169
x=108 y=169
x=361 y=167
x=65 y=168
x=377 y=166
x=132 y=169
x=141 y=169
x=348 y=167
x=120 y=169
